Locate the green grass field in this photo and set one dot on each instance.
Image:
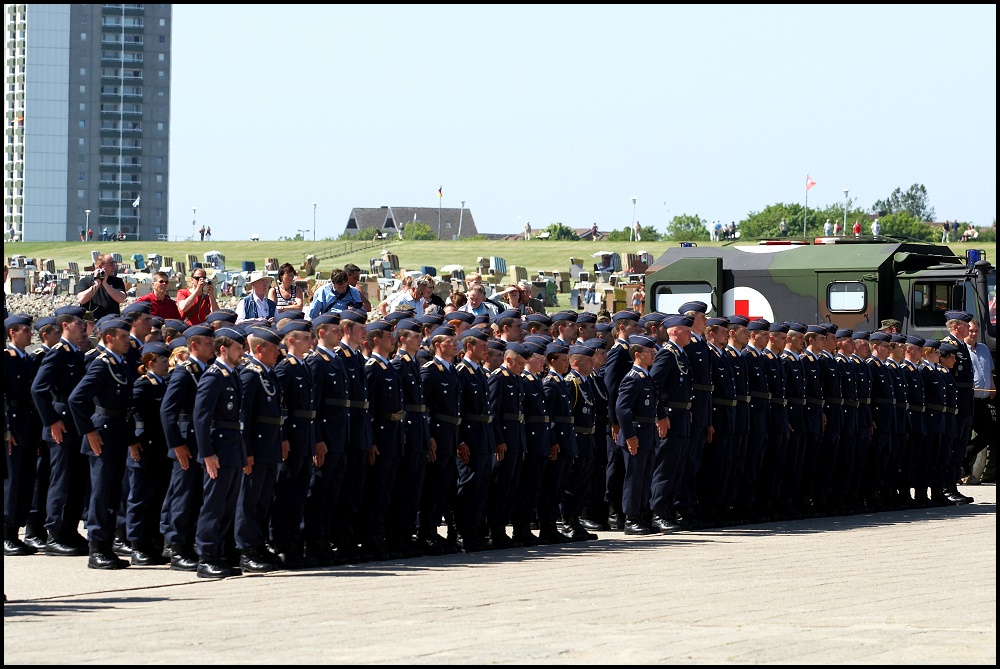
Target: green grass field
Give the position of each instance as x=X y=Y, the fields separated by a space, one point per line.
x=533 y=255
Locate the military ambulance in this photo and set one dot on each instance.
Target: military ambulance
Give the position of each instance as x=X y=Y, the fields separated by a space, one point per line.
x=854 y=283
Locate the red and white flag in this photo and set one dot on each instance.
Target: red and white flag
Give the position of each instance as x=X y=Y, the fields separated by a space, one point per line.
x=809 y=182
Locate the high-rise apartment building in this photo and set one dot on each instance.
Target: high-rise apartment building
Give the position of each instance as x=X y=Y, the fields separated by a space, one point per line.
x=87 y=111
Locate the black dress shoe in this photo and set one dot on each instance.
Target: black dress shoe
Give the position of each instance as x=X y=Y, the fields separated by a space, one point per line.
x=616 y=522
x=35 y=541
x=54 y=547
x=147 y=558
x=470 y=545
x=184 y=561
x=17 y=548
x=549 y=535
x=105 y=559
x=211 y=570
x=254 y=561
x=594 y=525
x=500 y=541
x=122 y=548
x=664 y=525
x=289 y=557
x=635 y=527
x=525 y=538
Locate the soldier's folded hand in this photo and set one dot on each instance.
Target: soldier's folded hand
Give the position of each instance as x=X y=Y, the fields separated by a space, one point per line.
x=248 y=470
x=432 y=454
x=633 y=445
x=183 y=456
x=372 y=453
x=285 y=448
x=463 y=453
x=11 y=443
x=95 y=442
x=212 y=466
x=58 y=429
x=662 y=427
x=135 y=450
x=554 y=452
x=501 y=451
x=321 y=451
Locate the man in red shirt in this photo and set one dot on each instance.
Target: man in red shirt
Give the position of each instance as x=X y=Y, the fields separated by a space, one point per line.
x=161 y=304
x=199 y=301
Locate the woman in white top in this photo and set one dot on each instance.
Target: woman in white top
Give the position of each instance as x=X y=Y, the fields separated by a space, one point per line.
x=286 y=294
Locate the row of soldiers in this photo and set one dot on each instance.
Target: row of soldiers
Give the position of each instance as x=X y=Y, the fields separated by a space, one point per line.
x=312 y=443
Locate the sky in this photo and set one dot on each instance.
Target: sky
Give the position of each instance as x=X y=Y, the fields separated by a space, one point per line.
x=548 y=114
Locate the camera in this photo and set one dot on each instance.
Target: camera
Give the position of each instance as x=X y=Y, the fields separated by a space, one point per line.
x=101 y=274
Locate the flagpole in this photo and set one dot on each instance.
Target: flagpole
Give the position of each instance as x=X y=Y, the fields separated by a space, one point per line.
x=805 y=214
x=440 y=197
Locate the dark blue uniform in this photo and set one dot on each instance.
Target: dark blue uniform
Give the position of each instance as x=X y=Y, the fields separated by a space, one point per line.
x=758 y=407
x=815 y=402
x=901 y=436
x=184 y=494
x=671 y=372
x=916 y=449
x=862 y=488
x=347 y=516
x=507 y=409
x=409 y=485
x=596 y=507
x=477 y=433
x=833 y=409
x=638 y=411
x=385 y=391
x=25 y=427
x=149 y=478
x=741 y=427
x=964 y=377
x=59 y=373
x=559 y=406
x=617 y=365
x=443 y=398
x=34 y=531
x=701 y=418
x=262 y=415
x=843 y=481
x=292 y=486
x=102 y=402
x=537 y=452
x=577 y=486
x=883 y=412
x=935 y=422
x=332 y=427
x=713 y=475
x=219 y=432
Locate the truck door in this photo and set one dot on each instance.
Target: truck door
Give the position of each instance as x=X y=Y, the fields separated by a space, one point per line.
x=686 y=280
x=846 y=299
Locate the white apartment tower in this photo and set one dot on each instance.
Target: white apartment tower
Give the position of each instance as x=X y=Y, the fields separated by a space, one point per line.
x=87 y=111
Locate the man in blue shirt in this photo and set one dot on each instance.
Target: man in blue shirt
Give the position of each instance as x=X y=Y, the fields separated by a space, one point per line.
x=335 y=296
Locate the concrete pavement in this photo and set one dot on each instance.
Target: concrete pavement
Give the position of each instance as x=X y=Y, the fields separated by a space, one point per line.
x=899 y=587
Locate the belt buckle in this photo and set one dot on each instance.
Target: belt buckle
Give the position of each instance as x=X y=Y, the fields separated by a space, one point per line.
x=241 y=426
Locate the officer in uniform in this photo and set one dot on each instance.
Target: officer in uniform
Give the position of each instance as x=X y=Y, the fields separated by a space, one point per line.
x=538 y=450
x=957 y=323
x=783 y=490
x=332 y=436
x=386 y=392
x=595 y=512
x=61 y=370
x=402 y=522
x=562 y=440
x=577 y=486
x=814 y=340
x=843 y=480
x=618 y=364
x=442 y=397
x=347 y=516
x=862 y=490
x=912 y=465
x=294 y=473
x=737 y=339
x=507 y=409
x=901 y=435
x=642 y=419
x=476 y=446
x=883 y=409
x=936 y=396
x=833 y=410
x=184 y=494
x=148 y=467
x=713 y=475
x=101 y=405
x=34 y=532
x=141 y=324
x=25 y=427
x=671 y=373
x=701 y=412
x=221 y=450
x=759 y=405
x=262 y=413
x=947 y=353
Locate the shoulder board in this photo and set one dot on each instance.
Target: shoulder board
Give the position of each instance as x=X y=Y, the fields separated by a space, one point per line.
x=753 y=353
x=732 y=352
x=577 y=380
x=406 y=357
x=504 y=371
x=345 y=351
x=290 y=360
x=431 y=363
x=152 y=381
x=254 y=367
x=66 y=348
x=11 y=353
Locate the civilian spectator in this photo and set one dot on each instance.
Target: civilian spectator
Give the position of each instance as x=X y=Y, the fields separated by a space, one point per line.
x=197 y=302
x=353 y=277
x=984 y=398
x=336 y=296
x=287 y=295
x=103 y=292
x=256 y=305
x=478 y=304
x=161 y=304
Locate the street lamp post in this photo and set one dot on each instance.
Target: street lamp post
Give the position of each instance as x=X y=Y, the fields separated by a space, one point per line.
x=314 y=221
x=194 y=217
x=631 y=225
x=461 y=213
x=87 y=212
x=845 y=211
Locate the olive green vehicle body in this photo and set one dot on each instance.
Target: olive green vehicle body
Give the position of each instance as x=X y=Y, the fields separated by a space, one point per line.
x=852 y=283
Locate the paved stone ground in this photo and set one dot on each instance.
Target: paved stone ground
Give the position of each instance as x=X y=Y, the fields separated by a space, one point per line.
x=903 y=587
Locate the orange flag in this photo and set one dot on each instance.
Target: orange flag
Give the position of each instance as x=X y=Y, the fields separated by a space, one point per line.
x=809 y=182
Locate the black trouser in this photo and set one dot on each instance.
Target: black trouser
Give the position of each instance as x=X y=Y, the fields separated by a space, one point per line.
x=614 y=477
x=43 y=472
x=184 y=497
x=577 y=487
x=437 y=499
x=879 y=450
x=687 y=494
x=346 y=520
x=844 y=468
x=19 y=488
x=405 y=508
x=669 y=462
x=827 y=463
x=636 y=492
x=860 y=470
x=553 y=486
x=984 y=424
x=291 y=491
x=900 y=454
x=735 y=481
x=254 y=506
x=960 y=446
x=106 y=473
x=528 y=491
x=380 y=484
x=713 y=473
x=595 y=507
x=472 y=492
x=506 y=475
x=148 y=484
x=325 y=484
x=68 y=484
x=781 y=474
x=218 y=510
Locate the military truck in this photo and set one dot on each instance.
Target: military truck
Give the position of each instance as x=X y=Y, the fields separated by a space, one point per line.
x=854 y=283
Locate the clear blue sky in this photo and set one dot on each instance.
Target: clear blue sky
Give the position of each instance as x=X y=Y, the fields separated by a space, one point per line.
x=562 y=113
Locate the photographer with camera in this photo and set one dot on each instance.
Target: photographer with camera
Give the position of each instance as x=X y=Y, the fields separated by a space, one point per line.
x=335 y=296
x=103 y=292
x=196 y=303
